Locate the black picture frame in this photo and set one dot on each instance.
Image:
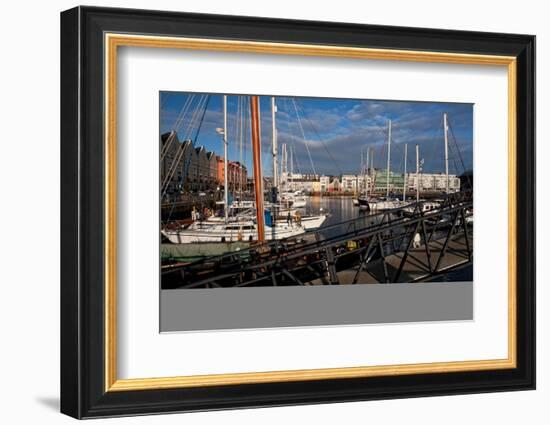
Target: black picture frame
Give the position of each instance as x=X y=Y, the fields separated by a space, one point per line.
x=83 y=392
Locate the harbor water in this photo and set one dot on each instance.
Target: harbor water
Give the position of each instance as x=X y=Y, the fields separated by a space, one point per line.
x=341 y=209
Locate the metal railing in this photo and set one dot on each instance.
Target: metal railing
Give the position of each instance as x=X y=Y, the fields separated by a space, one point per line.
x=361 y=244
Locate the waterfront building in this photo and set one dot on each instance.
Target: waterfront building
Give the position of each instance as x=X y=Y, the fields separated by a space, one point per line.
x=433 y=182
x=185 y=168
x=324 y=181
x=349 y=183
x=352 y=183
x=294 y=182
x=236 y=174
x=316 y=186
x=202 y=168
x=396 y=181
x=429 y=182
x=335 y=185
x=212 y=167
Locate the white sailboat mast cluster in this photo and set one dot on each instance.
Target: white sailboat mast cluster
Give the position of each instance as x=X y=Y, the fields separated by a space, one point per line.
x=366 y=200
x=245 y=225
x=274 y=145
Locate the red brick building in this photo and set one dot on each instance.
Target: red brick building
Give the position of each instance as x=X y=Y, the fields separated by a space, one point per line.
x=236 y=174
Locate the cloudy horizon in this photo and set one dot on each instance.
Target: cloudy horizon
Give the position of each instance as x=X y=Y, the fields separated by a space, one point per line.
x=327 y=135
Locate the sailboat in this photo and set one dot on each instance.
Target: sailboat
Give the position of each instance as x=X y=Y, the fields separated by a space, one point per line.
x=294 y=199
x=288 y=196
x=387 y=202
x=289 y=203
x=232 y=232
x=243 y=226
x=289 y=207
x=426 y=206
x=361 y=201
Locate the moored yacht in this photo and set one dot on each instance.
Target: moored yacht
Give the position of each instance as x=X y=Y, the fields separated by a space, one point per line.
x=423 y=206
x=310 y=222
x=384 y=203
x=295 y=200
x=232 y=232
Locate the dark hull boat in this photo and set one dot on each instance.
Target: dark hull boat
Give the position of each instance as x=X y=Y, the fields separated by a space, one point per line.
x=363 y=203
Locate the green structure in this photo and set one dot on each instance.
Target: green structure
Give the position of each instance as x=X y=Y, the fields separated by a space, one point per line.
x=381 y=181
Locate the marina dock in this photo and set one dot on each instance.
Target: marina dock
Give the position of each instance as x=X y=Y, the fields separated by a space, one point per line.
x=405 y=244
x=415 y=269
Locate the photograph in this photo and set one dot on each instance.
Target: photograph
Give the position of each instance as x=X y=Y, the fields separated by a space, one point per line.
x=259 y=190
x=262 y=211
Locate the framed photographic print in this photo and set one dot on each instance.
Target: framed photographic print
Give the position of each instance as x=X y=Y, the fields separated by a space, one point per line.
x=261 y=212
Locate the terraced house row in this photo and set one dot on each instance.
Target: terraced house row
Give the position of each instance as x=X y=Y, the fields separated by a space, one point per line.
x=187 y=168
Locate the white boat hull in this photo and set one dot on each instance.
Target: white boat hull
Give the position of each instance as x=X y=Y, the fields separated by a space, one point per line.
x=384 y=205
x=308 y=223
x=223 y=234
x=424 y=206
x=299 y=203
x=296 y=201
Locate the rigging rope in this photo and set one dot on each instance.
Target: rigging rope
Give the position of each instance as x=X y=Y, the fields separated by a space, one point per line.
x=304 y=137
x=185 y=164
x=296 y=138
x=194 y=140
x=294 y=160
x=432 y=153
x=165 y=96
x=236 y=128
x=194 y=117
x=241 y=142
x=181 y=149
x=460 y=156
x=176 y=126
x=324 y=145
x=177 y=156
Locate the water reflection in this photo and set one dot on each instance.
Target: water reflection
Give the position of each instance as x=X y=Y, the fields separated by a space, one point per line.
x=339 y=209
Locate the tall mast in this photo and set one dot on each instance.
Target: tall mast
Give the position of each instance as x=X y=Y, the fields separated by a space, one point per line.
x=274 y=144
x=365 y=171
x=292 y=168
x=257 y=162
x=241 y=142
x=283 y=174
x=405 y=174
x=389 y=153
x=225 y=182
x=417 y=177
x=371 y=174
x=362 y=169
x=361 y=172
x=286 y=164
x=446 y=153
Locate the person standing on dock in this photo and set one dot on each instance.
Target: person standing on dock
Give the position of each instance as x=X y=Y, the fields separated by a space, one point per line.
x=289 y=219
x=416 y=240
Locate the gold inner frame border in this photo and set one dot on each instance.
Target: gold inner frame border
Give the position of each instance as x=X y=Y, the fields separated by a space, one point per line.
x=111 y=43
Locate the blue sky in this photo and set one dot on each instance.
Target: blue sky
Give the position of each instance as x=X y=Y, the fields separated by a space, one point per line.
x=333 y=130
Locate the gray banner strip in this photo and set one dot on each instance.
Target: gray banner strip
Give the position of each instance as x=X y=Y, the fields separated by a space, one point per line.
x=268 y=307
